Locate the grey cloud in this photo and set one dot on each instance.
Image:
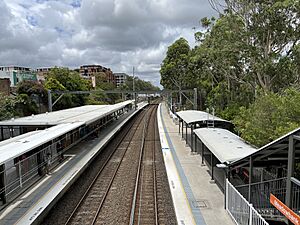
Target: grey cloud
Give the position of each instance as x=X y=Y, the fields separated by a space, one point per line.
x=115 y=33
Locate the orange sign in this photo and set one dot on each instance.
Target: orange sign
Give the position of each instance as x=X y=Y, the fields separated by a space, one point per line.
x=293 y=217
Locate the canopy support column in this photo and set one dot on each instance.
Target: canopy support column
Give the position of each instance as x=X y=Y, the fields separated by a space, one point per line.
x=290 y=172
x=250 y=177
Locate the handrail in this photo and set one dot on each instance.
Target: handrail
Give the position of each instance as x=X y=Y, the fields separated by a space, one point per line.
x=295 y=181
x=262 y=182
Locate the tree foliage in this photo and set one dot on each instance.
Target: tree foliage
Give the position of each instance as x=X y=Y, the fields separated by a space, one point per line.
x=8 y=107
x=62 y=79
x=244 y=64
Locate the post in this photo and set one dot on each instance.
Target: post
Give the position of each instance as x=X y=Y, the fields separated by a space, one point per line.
x=192 y=139
x=202 y=149
x=49 y=101
x=212 y=165
x=2 y=134
x=196 y=144
x=186 y=135
x=182 y=130
x=20 y=174
x=290 y=172
x=180 y=99
x=250 y=178
x=195 y=99
x=179 y=126
x=226 y=194
x=251 y=215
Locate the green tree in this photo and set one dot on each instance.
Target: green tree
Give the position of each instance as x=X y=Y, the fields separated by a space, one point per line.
x=64 y=79
x=8 y=107
x=269 y=117
x=174 y=67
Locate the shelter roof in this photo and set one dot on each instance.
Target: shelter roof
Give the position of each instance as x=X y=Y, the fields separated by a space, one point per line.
x=86 y=114
x=193 y=116
x=225 y=145
x=21 y=144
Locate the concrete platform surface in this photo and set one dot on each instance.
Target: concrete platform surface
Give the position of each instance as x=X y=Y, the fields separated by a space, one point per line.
x=206 y=200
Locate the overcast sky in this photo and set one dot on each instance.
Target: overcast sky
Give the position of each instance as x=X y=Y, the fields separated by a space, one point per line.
x=118 y=34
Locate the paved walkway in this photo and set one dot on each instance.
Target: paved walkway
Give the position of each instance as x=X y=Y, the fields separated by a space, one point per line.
x=205 y=198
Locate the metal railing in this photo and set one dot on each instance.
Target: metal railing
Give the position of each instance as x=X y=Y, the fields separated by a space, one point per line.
x=240 y=210
x=295 y=195
x=260 y=195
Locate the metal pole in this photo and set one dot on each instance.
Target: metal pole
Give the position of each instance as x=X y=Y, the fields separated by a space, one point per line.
x=250 y=178
x=180 y=99
x=212 y=165
x=290 y=172
x=195 y=99
x=49 y=101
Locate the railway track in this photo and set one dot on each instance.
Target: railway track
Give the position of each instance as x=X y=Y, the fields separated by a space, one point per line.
x=127 y=188
x=145 y=207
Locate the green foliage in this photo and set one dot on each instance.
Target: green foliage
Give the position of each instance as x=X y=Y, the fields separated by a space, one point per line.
x=64 y=79
x=243 y=64
x=25 y=106
x=269 y=117
x=34 y=90
x=8 y=107
x=175 y=66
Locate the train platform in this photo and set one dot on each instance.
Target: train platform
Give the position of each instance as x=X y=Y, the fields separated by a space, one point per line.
x=196 y=199
x=32 y=205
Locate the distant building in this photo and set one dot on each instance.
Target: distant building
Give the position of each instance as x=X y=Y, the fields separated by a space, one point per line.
x=87 y=71
x=120 y=78
x=17 y=74
x=42 y=73
x=5 y=86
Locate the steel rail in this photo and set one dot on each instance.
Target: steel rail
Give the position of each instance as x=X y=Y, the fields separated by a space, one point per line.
x=133 y=205
x=102 y=168
x=154 y=172
x=110 y=184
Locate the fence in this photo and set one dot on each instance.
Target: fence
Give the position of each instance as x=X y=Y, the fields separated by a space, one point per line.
x=239 y=208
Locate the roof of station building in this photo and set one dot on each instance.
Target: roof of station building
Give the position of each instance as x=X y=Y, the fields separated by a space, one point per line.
x=86 y=114
x=225 y=145
x=19 y=145
x=193 y=116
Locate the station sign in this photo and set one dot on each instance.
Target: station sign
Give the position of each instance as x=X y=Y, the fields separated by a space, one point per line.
x=286 y=211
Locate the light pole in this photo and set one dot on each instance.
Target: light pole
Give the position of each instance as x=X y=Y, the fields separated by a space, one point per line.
x=133 y=88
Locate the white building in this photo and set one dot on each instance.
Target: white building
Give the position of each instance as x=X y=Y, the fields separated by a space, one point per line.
x=17 y=74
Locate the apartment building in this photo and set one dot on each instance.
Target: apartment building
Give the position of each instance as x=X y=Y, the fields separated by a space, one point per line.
x=17 y=74
x=120 y=78
x=88 y=71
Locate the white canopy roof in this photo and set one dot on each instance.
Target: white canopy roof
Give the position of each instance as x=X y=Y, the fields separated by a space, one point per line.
x=86 y=114
x=192 y=116
x=225 y=145
x=17 y=146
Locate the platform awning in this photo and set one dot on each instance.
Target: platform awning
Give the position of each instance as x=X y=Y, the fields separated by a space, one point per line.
x=193 y=116
x=86 y=114
x=18 y=146
x=225 y=145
